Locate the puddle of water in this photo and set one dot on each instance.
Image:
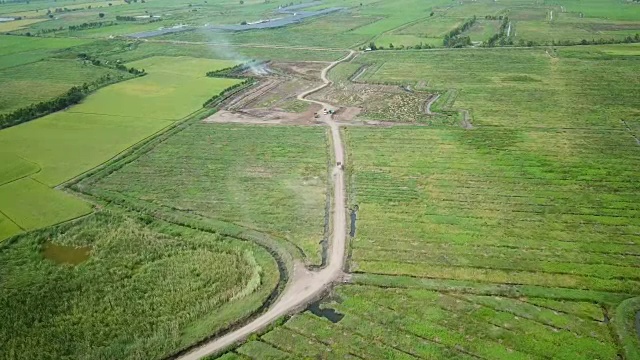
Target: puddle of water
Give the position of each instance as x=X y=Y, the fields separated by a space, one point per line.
x=62 y=254
x=354 y=217
x=327 y=313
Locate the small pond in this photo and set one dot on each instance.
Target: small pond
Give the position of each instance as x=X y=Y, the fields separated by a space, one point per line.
x=63 y=254
x=327 y=313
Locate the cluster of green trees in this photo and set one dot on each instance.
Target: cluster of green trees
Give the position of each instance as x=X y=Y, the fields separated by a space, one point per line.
x=453 y=38
x=216 y=99
x=372 y=46
x=126 y=18
x=235 y=71
x=501 y=36
x=91 y=25
x=118 y=66
x=493 y=17
x=82 y=26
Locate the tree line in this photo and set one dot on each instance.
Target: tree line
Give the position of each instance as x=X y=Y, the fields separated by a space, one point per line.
x=627 y=40
x=373 y=47
x=215 y=99
x=453 y=38
x=126 y=18
x=235 y=71
x=501 y=36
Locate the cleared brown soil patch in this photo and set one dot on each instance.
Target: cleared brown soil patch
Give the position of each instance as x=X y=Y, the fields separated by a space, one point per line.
x=264 y=116
x=376 y=102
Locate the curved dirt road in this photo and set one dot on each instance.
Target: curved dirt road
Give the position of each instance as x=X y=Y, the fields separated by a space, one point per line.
x=304 y=285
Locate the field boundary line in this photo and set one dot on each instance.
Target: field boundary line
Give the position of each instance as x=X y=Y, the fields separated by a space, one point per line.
x=479 y=282
x=15 y=223
x=26 y=175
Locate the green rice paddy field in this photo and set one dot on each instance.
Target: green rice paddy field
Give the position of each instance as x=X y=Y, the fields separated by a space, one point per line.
x=65 y=144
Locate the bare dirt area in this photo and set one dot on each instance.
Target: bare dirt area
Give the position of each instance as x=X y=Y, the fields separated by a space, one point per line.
x=274 y=99
x=265 y=117
x=347 y=113
x=376 y=102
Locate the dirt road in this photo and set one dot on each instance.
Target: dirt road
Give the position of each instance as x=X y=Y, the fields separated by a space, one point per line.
x=305 y=285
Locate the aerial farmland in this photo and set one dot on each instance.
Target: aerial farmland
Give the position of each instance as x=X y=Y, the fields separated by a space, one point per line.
x=319 y=179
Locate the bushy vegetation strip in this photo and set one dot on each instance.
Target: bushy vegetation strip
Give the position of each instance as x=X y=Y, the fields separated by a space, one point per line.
x=455 y=39
x=140 y=290
x=237 y=70
x=627 y=324
x=215 y=100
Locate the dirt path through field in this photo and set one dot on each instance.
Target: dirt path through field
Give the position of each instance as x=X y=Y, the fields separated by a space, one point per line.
x=304 y=285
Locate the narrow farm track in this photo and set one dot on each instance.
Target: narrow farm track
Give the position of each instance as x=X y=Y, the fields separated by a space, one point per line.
x=305 y=285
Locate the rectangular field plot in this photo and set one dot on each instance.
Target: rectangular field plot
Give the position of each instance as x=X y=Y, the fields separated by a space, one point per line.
x=547 y=208
x=67 y=143
x=96 y=130
x=32 y=205
x=396 y=323
x=522 y=88
x=7 y=227
x=13 y=167
x=18 y=50
x=272 y=179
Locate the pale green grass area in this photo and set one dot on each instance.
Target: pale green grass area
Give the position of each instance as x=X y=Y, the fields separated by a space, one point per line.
x=545 y=31
x=44 y=80
x=68 y=143
x=620 y=50
x=337 y=31
x=13 y=167
x=18 y=50
x=124 y=52
x=188 y=66
x=18 y=44
x=33 y=205
x=7 y=228
x=435 y=27
x=161 y=96
x=607 y=9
